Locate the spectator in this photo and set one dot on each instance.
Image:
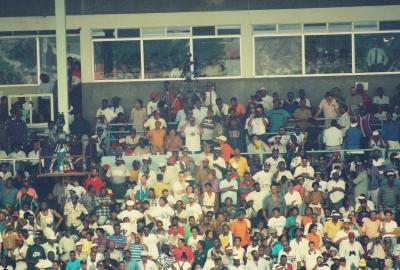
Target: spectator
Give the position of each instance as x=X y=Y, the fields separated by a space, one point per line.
x=278 y=117
x=290 y=105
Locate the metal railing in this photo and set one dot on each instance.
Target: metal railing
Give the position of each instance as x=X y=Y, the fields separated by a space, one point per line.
x=13 y=161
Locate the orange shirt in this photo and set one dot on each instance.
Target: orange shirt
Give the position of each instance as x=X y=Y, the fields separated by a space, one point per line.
x=226 y=151
x=305 y=220
x=156 y=137
x=240 y=229
x=240 y=110
x=314 y=238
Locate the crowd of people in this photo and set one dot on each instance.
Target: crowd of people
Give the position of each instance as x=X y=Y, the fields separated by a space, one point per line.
x=212 y=185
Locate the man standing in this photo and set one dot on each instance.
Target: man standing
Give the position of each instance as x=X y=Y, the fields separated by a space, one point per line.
x=391 y=132
x=333 y=137
x=118 y=175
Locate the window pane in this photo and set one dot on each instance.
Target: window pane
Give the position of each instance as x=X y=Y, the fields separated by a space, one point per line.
x=217 y=57
x=328 y=54
x=48 y=58
x=377 y=52
x=116 y=60
x=18 y=61
x=165 y=58
x=278 y=55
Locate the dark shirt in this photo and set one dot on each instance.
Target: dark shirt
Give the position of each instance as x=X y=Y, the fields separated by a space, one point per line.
x=34 y=254
x=80 y=127
x=235 y=137
x=17 y=131
x=391 y=131
x=108 y=265
x=290 y=107
x=353 y=138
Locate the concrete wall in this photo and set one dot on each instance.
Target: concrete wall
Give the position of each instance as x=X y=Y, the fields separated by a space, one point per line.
x=315 y=88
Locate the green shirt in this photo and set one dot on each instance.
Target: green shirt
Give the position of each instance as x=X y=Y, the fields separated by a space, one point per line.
x=34 y=254
x=276 y=118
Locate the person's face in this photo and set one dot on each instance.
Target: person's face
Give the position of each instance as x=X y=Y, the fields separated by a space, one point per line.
x=274 y=190
x=373 y=216
x=257 y=187
x=388 y=217
x=104 y=104
x=180 y=244
x=72 y=256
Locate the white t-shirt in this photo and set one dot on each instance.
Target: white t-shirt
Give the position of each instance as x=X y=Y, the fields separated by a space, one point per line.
x=264 y=179
x=107 y=112
x=194 y=210
x=133 y=215
x=192 y=138
x=277 y=223
x=258 y=127
x=257 y=198
x=337 y=195
x=231 y=193
x=389 y=227
x=293 y=199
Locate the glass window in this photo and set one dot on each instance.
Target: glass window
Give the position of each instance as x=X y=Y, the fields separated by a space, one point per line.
x=165 y=58
x=203 y=30
x=365 y=26
x=264 y=28
x=340 y=27
x=277 y=55
x=289 y=28
x=328 y=54
x=216 y=57
x=48 y=58
x=18 y=62
x=315 y=27
x=117 y=60
x=377 y=52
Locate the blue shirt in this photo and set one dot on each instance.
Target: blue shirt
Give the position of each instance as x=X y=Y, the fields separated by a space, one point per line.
x=353 y=138
x=277 y=118
x=391 y=131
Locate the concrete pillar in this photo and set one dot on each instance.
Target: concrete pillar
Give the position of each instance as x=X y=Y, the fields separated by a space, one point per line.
x=62 y=76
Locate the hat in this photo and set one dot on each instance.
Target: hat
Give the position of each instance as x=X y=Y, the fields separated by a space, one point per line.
x=390 y=173
x=161 y=164
x=275 y=149
x=267 y=163
x=335 y=214
x=94 y=245
x=130 y=203
x=191 y=196
x=361 y=198
x=79 y=243
x=375 y=133
x=83 y=261
x=144 y=253
x=122 y=140
x=362 y=263
x=42 y=264
x=222 y=138
x=346 y=220
x=336 y=258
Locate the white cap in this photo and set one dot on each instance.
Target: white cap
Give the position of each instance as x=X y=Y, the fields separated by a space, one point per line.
x=379 y=162
x=222 y=138
x=375 y=133
x=161 y=164
x=130 y=203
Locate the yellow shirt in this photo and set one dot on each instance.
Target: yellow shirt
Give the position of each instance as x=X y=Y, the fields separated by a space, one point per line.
x=134 y=175
x=224 y=240
x=371 y=228
x=331 y=229
x=240 y=165
x=86 y=246
x=159 y=187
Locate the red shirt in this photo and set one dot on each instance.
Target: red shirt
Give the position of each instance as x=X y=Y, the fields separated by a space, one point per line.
x=96 y=182
x=180 y=231
x=177 y=253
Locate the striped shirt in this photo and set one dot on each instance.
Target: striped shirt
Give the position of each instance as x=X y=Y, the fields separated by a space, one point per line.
x=136 y=250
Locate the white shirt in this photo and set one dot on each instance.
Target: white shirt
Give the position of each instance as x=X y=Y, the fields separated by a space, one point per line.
x=3 y=154
x=118 y=174
x=274 y=163
x=220 y=162
x=345 y=248
x=377 y=54
x=300 y=247
x=389 y=227
x=333 y=136
x=152 y=106
x=292 y=257
x=34 y=154
x=300 y=170
x=277 y=223
x=150 y=265
x=344 y=121
x=308 y=103
x=133 y=215
x=380 y=100
x=264 y=179
x=257 y=198
x=230 y=193
x=211 y=97
x=19 y=155
x=261 y=264
x=107 y=112
x=337 y=195
x=194 y=210
x=311 y=259
x=200 y=113
x=293 y=198
x=224 y=110
x=258 y=127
